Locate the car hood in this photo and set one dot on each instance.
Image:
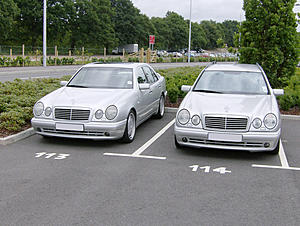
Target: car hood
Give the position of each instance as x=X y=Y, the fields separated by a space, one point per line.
x=85 y=97
x=228 y=104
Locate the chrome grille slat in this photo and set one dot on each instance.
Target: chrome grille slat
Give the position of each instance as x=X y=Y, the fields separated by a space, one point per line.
x=226 y=143
x=72 y=114
x=226 y=123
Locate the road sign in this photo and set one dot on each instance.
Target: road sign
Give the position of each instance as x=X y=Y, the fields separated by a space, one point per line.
x=151 y=39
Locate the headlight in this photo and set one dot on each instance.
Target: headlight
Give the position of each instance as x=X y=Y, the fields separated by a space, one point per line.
x=99 y=114
x=256 y=123
x=48 y=111
x=111 y=112
x=270 y=121
x=196 y=120
x=183 y=116
x=38 y=108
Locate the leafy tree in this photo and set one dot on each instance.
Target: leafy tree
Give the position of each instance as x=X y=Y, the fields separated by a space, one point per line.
x=269 y=37
x=199 y=40
x=8 y=12
x=230 y=27
x=162 y=32
x=178 y=28
x=213 y=32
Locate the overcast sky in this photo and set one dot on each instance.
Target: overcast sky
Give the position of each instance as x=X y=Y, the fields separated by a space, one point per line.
x=217 y=10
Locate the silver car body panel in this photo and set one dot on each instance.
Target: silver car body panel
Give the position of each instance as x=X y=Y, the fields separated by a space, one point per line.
x=82 y=100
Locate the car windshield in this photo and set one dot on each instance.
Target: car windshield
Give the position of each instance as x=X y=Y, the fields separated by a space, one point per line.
x=232 y=82
x=109 y=78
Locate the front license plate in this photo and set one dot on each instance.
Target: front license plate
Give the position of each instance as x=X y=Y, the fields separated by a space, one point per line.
x=71 y=127
x=225 y=137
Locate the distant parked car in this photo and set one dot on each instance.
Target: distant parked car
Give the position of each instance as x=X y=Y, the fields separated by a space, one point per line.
x=102 y=101
x=230 y=106
x=177 y=54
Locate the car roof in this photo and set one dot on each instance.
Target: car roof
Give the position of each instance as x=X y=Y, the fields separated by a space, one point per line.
x=233 y=67
x=118 y=65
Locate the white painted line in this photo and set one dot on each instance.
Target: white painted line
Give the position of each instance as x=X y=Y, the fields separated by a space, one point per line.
x=153 y=139
x=135 y=156
x=26 y=78
x=276 y=167
x=282 y=156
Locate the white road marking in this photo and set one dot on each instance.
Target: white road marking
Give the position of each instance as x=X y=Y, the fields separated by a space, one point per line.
x=26 y=78
x=282 y=156
x=276 y=167
x=137 y=153
x=135 y=156
x=154 y=138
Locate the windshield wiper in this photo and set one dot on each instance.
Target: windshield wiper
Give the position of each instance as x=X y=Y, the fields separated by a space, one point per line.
x=79 y=86
x=206 y=91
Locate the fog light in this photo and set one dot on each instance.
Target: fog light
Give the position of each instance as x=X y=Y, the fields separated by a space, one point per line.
x=267 y=145
x=184 y=139
x=107 y=134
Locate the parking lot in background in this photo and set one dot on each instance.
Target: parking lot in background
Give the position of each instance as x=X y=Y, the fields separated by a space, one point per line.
x=148 y=182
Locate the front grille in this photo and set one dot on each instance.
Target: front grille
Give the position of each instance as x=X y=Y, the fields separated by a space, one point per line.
x=72 y=114
x=225 y=123
x=227 y=143
x=67 y=132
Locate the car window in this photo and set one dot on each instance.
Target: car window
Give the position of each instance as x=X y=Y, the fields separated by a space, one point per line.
x=232 y=82
x=148 y=74
x=141 y=77
x=102 y=77
x=154 y=75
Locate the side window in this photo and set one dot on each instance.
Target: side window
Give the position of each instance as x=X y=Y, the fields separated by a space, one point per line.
x=148 y=74
x=141 y=76
x=154 y=75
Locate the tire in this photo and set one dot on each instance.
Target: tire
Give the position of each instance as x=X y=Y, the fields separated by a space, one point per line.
x=130 y=129
x=276 y=150
x=176 y=143
x=161 y=108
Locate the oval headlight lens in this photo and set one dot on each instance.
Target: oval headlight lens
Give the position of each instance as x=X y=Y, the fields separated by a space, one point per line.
x=257 y=123
x=270 y=121
x=183 y=116
x=195 y=120
x=48 y=111
x=99 y=114
x=38 y=108
x=111 y=112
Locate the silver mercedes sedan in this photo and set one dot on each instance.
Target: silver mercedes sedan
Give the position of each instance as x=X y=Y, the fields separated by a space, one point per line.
x=102 y=101
x=230 y=106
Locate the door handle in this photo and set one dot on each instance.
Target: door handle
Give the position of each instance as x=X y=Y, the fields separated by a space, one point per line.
x=150 y=91
x=159 y=86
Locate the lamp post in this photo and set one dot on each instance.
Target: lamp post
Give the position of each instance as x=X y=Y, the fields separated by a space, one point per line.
x=190 y=33
x=44 y=35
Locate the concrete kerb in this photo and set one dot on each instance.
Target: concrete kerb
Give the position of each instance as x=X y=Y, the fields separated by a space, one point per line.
x=29 y=132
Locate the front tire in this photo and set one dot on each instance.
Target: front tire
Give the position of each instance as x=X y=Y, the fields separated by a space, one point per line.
x=130 y=129
x=161 y=107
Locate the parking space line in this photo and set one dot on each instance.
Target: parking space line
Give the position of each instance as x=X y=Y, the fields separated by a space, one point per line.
x=137 y=153
x=153 y=139
x=282 y=156
x=283 y=160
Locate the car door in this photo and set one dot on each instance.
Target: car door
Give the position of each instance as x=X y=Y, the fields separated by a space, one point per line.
x=144 y=97
x=154 y=86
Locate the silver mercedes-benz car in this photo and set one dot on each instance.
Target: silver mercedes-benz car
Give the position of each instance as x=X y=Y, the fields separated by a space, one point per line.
x=102 y=101
x=230 y=106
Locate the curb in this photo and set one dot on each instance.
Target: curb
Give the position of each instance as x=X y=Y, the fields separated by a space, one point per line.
x=172 y=110
x=16 y=137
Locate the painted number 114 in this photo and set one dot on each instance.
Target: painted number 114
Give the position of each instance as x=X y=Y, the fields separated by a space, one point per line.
x=207 y=169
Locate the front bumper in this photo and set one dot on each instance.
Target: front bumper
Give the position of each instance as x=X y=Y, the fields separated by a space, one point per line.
x=251 y=141
x=91 y=130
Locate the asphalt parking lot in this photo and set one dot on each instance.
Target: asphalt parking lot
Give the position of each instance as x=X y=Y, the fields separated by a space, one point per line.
x=148 y=182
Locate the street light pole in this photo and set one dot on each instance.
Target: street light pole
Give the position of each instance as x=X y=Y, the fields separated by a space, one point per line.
x=44 y=35
x=190 y=33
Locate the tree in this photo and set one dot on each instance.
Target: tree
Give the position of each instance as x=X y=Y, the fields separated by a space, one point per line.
x=269 y=37
x=213 y=32
x=8 y=12
x=162 y=32
x=230 y=27
x=178 y=28
x=199 y=40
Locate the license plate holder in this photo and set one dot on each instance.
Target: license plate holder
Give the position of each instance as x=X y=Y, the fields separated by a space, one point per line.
x=225 y=137
x=69 y=127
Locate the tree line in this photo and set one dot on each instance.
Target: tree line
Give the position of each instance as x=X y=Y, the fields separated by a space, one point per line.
x=105 y=23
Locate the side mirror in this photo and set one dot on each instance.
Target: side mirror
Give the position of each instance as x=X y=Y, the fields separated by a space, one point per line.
x=63 y=83
x=185 y=88
x=278 y=92
x=144 y=86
